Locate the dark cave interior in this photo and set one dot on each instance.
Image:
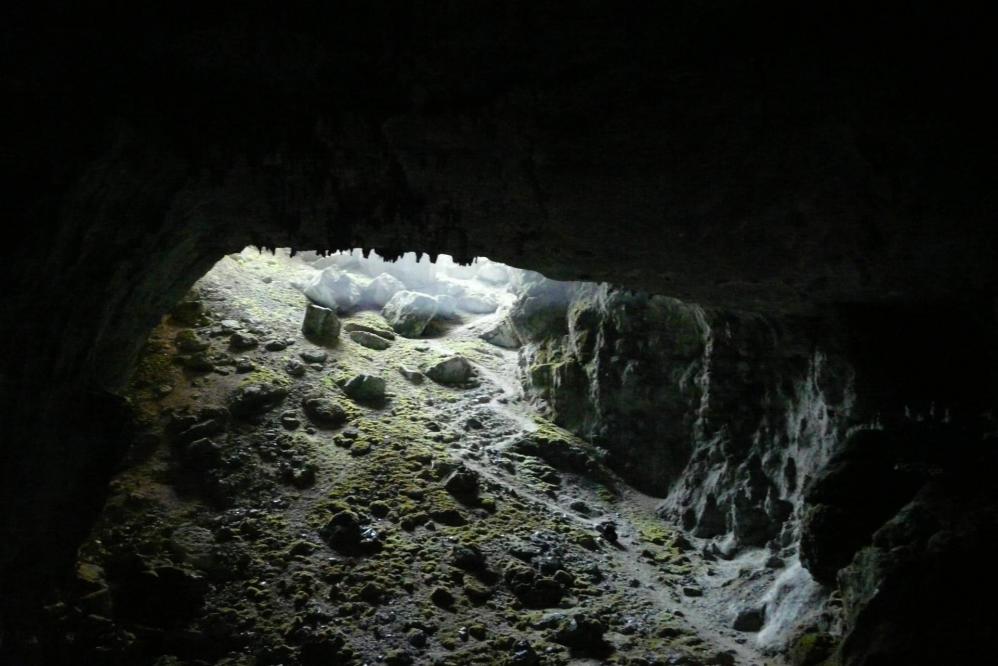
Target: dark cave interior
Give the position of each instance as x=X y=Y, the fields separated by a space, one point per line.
x=768 y=236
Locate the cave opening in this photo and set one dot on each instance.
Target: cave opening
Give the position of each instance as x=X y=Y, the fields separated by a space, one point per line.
x=324 y=443
x=764 y=347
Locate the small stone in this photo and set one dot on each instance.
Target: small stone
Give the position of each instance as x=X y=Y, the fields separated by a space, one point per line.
x=468 y=557
x=416 y=638
x=442 y=597
x=690 y=591
x=275 y=345
x=369 y=340
x=608 y=531
x=295 y=368
x=372 y=593
x=324 y=411
x=240 y=340
x=314 y=356
x=198 y=362
x=290 y=420
x=414 y=376
x=188 y=341
x=524 y=655
x=244 y=365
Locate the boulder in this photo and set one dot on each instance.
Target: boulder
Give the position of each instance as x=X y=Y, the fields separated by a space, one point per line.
x=333 y=289
x=493 y=273
x=321 y=325
x=381 y=289
x=370 y=340
x=478 y=303
x=503 y=334
x=365 y=388
x=453 y=370
x=324 y=411
x=409 y=312
x=446 y=306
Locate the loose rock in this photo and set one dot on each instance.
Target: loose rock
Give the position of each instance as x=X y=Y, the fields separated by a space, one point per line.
x=454 y=370
x=365 y=388
x=321 y=325
x=409 y=312
x=369 y=340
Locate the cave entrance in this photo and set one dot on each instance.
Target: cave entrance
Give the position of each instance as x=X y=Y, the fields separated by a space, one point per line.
x=342 y=458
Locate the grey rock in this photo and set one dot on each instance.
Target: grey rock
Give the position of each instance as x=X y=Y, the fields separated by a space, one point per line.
x=381 y=289
x=446 y=306
x=275 y=345
x=381 y=332
x=453 y=370
x=370 y=340
x=240 y=340
x=333 y=289
x=478 y=303
x=365 y=388
x=409 y=313
x=503 y=334
x=324 y=410
x=314 y=356
x=321 y=325
x=295 y=368
x=414 y=376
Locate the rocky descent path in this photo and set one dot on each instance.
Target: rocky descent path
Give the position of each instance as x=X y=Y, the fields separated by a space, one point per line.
x=271 y=513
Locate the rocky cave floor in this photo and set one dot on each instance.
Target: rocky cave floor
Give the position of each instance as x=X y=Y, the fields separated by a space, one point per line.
x=265 y=516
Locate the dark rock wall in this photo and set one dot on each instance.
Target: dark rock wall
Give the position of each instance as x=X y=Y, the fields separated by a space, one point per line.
x=726 y=414
x=836 y=440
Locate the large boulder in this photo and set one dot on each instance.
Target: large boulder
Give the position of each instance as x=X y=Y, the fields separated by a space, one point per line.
x=381 y=289
x=321 y=325
x=446 y=306
x=477 y=303
x=453 y=370
x=333 y=289
x=365 y=388
x=493 y=273
x=409 y=312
